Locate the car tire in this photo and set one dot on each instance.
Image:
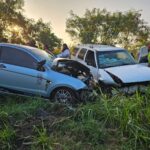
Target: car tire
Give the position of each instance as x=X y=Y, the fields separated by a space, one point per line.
x=64 y=95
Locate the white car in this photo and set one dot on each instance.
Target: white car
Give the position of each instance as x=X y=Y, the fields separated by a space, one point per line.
x=113 y=67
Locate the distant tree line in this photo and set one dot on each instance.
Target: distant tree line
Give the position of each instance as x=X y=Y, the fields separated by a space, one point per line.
x=16 y=28
x=126 y=29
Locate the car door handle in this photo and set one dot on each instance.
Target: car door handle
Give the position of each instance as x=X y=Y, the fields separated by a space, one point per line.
x=2 y=66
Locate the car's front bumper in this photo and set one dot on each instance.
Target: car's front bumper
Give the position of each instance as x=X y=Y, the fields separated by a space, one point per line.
x=131 y=89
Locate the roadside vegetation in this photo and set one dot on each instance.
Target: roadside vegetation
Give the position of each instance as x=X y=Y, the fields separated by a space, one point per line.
x=96 y=26
x=118 y=122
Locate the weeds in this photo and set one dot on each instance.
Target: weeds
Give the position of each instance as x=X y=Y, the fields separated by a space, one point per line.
x=41 y=140
x=21 y=108
x=118 y=122
x=7 y=138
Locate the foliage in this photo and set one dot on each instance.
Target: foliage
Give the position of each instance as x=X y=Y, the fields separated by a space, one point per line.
x=9 y=17
x=40 y=34
x=41 y=139
x=16 y=28
x=100 y=26
x=7 y=137
x=19 y=107
x=122 y=122
x=118 y=122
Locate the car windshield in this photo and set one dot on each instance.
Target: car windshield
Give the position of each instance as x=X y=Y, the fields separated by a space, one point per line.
x=43 y=55
x=46 y=56
x=114 y=58
x=49 y=58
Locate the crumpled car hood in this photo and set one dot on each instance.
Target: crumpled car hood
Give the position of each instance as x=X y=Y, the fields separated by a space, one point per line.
x=131 y=73
x=72 y=68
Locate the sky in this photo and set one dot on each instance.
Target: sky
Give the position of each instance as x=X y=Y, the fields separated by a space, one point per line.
x=57 y=11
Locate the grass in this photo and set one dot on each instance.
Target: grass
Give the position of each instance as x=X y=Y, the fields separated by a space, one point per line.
x=107 y=123
x=7 y=135
x=41 y=138
x=21 y=107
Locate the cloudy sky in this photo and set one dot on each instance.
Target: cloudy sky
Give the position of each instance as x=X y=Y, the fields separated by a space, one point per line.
x=57 y=11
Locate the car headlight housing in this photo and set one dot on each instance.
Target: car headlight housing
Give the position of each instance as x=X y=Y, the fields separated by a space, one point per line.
x=116 y=79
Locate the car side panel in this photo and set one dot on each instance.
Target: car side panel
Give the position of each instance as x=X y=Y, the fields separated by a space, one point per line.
x=22 y=79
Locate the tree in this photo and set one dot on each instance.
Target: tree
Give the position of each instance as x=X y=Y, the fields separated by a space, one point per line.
x=16 y=28
x=40 y=34
x=10 y=16
x=100 y=26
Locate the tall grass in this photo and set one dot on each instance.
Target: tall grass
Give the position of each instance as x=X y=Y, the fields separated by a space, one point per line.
x=7 y=137
x=117 y=121
x=107 y=123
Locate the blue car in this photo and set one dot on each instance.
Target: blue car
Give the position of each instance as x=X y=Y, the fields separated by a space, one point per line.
x=31 y=71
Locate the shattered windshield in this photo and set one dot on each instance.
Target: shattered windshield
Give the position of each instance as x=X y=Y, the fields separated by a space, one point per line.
x=114 y=58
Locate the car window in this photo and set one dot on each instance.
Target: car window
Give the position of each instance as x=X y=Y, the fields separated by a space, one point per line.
x=0 y=53
x=17 y=57
x=75 y=50
x=82 y=53
x=90 y=59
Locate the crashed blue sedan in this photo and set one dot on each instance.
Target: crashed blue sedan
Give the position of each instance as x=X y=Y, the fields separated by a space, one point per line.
x=31 y=71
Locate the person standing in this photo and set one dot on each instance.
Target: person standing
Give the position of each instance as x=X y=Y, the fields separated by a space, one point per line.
x=65 y=53
x=148 y=57
x=142 y=55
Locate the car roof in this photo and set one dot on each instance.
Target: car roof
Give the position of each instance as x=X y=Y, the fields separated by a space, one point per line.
x=38 y=53
x=99 y=47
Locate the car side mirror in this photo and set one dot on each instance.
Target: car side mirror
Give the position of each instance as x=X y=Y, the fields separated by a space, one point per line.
x=40 y=65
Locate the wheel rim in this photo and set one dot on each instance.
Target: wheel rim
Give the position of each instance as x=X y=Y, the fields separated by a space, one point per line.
x=63 y=95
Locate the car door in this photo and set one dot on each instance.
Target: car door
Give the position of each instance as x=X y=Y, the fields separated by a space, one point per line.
x=91 y=63
x=18 y=71
x=81 y=55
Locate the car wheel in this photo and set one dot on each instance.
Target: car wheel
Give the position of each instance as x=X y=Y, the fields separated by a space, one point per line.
x=64 y=95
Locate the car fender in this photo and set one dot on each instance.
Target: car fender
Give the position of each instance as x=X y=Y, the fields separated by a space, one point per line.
x=65 y=81
x=104 y=77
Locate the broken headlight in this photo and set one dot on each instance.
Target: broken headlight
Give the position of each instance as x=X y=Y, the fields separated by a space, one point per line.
x=116 y=79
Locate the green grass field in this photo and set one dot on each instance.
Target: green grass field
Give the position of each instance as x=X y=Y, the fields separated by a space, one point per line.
x=107 y=123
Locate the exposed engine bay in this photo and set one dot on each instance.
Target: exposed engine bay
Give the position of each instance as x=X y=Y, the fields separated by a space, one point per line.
x=72 y=68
